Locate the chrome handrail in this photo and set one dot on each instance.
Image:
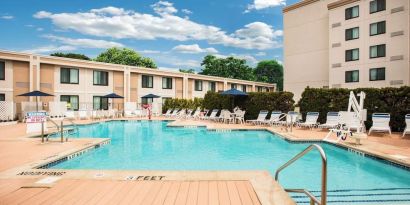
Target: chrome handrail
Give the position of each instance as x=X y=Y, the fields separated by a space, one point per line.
x=313 y=199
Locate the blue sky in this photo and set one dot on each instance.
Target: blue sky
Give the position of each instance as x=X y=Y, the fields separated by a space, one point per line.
x=175 y=33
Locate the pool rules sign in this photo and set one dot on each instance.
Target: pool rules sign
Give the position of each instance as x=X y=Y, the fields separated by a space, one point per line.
x=34 y=121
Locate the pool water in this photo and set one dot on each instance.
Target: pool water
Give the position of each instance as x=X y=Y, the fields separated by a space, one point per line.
x=151 y=145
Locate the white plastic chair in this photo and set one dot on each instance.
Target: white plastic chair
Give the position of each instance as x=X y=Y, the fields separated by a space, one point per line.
x=261 y=117
x=167 y=113
x=332 y=120
x=380 y=123
x=311 y=120
x=407 y=128
x=69 y=114
x=274 y=117
x=351 y=121
x=291 y=119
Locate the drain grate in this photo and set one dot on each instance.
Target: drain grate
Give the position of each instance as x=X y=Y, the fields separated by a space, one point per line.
x=41 y=173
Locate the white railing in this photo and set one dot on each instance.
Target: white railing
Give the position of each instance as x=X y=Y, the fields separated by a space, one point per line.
x=7 y=110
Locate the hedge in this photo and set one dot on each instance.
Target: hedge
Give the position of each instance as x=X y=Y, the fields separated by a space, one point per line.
x=395 y=101
x=182 y=103
x=253 y=103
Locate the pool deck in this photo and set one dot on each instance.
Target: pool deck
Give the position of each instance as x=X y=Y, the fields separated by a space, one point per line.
x=22 y=183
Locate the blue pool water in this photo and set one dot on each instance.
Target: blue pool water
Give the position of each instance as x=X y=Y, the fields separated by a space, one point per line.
x=151 y=145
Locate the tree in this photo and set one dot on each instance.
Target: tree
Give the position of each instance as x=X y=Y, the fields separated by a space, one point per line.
x=187 y=70
x=125 y=56
x=270 y=71
x=229 y=67
x=71 y=55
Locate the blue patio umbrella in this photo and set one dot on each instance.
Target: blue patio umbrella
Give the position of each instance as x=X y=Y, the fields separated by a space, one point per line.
x=36 y=93
x=150 y=96
x=114 y=96
x=234 y=92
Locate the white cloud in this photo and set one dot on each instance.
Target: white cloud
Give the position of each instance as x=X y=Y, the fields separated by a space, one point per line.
x=194 y=48
x=260 y=54
x=120 y=24
x=149 y=51
x=249 y=58
x=84 y=42
x=263 y=4
x=7 y=17
x=186 y=11
x=39 y=29
x=187 y=63
x=50 y=49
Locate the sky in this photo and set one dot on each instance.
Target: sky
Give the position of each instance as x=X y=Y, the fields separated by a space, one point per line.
x=174 y=33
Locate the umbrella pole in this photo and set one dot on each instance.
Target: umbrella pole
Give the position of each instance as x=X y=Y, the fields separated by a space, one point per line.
x=36 y=103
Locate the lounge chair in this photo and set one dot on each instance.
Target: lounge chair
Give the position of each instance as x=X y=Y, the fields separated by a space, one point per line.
x=380 y=123
x=261 y=117
x=167 y=113
x=291 y=119
x=407 y=128
x=205 y=114
x=69 y=114
x=351 y=121
x=82 y=114
x=212 y=115
x=174 y=113
x=274 y=117
x=195 y=114
x=181 y=114
x=332 y=120
x=129 y=113
x=311 y=120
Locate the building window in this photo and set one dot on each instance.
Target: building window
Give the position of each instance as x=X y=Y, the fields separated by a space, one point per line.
x=233 y=86
x=198 y=85
x=212 y=86
x=378 y=28
x=260 y=89
x=352 y=76
x=69 y=75
x=166 y=83
x=165 y=99
x=377 y=74
x=352 y=12
x=244 y=88
x=2 y=70
x=378 y=51
x=100 y=78
x=2 y=97
x=147 y=81
x=352 y=33
x=72 y=101
x=352 y=55
x=147 y=100
x=377 y=5
x=100 y=103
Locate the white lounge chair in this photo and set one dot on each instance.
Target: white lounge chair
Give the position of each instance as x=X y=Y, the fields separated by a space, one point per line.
x=261 y=117
x=129 y=113
x=181 y=114
x=195 y=114
x=380 y=123
x=82 y=114
x=291 y=119
x=351 y=121
x=166 y=114
x=311 y=120
x=174 y=113
x=274 y=117
x=212 y=115
x=69 y=114
x=407 y=128
x=332 y=120
x=205 y=114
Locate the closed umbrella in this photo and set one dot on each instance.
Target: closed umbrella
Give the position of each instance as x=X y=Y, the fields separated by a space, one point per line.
x=36 y=94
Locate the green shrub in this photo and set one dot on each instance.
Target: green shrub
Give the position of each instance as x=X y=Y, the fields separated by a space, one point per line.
x=182 y=103
x=395 y=101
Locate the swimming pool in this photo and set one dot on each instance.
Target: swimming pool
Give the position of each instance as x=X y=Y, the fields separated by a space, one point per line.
x=151 y=145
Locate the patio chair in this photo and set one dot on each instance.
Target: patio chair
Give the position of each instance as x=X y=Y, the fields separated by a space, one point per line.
x=380 y=123
x=69 y=114
x=174 y=113
x=195 y=114
x=291 y=119
x=205 y=114
x=212 y=115
x=95 y=115
x=407 y=128
x=351 y=121
x=129 y=113
x=261 y=117
x=311 y=120
x=167 y=113
x=240 y=116
x=181 y=114
x=274 y=117
x=82 y=114
x=226 y=117
x=332 y=120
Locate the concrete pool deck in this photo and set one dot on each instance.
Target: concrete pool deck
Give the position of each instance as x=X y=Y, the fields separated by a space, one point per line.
x=20 y=154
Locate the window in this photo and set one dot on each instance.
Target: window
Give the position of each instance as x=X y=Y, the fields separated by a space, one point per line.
x=352 y=33
x=69 y=75
x=378 y=28
x=147 y=100
x=244 y=88
x=352 y=12
x=212 y=86
x=377 y=5
x=260 y=89
x=198 y=85
x=72 y=101
x=378 y=51
x=100 y=103
x=147 y=81
x=2 y=97
x=352 y=76
x=2 y=70
x=352 y=55
x=166 y=83
x=100 y=78
x=233 y=86
x=165 y=99
x=377 y=74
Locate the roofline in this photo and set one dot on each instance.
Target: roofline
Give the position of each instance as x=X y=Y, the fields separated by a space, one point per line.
x=340 y=3
x=23 y=56
x=298 y=5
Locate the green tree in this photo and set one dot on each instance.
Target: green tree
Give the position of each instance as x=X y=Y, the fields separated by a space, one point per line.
x=71 y=55
x=187 y=70
x=125 y=56
x=229 y=67
x=270 y=71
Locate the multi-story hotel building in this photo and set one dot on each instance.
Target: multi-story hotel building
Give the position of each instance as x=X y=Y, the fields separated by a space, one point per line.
x=79 y=81
x=346 y=44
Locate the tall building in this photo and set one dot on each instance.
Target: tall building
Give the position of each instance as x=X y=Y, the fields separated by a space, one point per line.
x=346 y=44
x=81 y=82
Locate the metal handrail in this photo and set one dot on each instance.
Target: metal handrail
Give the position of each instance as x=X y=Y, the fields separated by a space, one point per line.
x=313 y=199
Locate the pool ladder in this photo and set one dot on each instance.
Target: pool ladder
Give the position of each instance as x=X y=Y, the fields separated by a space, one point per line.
x=313 y=199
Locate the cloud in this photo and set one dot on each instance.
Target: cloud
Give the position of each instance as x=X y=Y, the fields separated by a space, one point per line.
x=149 y=51
x=194 y=48
x=187 y=63
x=263 y=4
x=249 y=58
x=50 y=49
x=84 y=42
x=186 y=11
x=120 y=24
x=260 y=54
x=7 y=17
x=39 y=29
